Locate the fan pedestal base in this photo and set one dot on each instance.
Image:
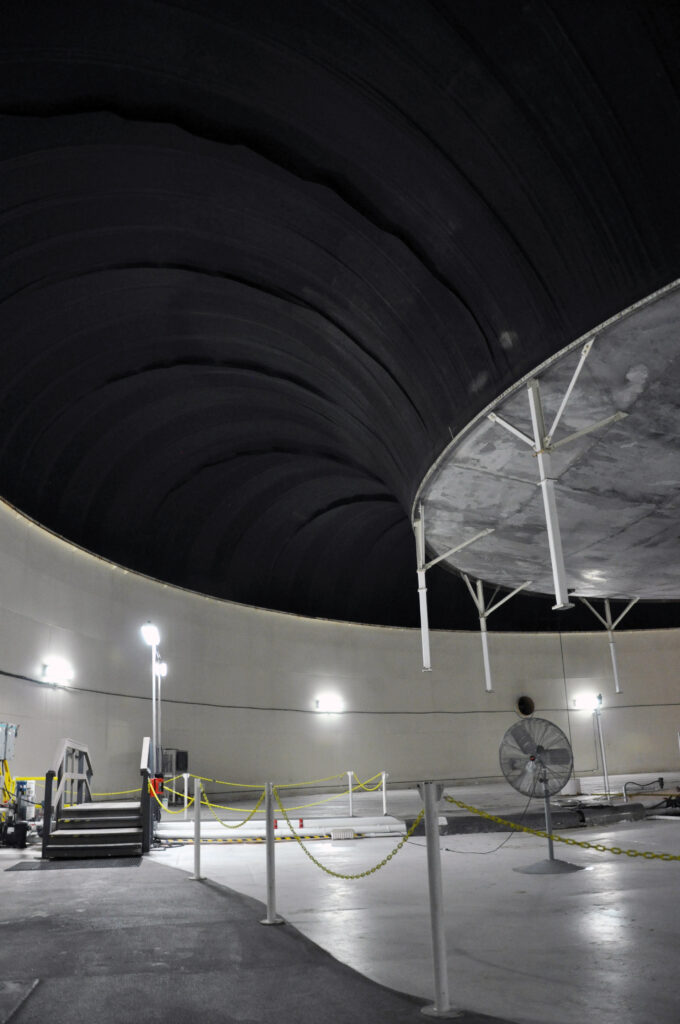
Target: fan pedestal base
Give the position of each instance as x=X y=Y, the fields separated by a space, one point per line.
x=549 y=867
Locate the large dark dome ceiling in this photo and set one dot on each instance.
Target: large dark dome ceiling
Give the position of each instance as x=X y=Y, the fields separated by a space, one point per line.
x=261 y=260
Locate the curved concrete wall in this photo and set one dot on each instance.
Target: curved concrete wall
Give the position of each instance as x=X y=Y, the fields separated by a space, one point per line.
x=242 y=682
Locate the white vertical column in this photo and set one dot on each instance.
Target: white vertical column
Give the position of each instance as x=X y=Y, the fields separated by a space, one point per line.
x=272 y=917
x=484 y=633
x=431 y=793
x=419 y=527
x=185 y=776
x=197 y=876
x=349 y=791
x=598 y=719
x=612 y=644
x=549 y=504
x=384 y=792
x=154 y=740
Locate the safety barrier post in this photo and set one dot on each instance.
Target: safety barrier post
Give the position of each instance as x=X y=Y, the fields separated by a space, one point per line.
x=431 y=793
x=384 y=792
x=349 y=786
x=272 y=917
x=186 y=795
x=197 y=876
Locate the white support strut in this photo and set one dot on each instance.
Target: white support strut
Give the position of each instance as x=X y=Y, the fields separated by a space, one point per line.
x=547 y=484
x=477 y=595
x=610 y=625
x=419 y=527
x=543 y=445
x=585 y=351
x=423 y=566
x=488 y=685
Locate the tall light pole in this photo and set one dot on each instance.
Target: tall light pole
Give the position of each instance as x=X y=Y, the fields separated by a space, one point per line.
x=161 y=673
x=152 y=637
x=597 y=712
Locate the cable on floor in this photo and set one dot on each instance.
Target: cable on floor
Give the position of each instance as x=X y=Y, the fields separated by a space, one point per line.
x=482 y=853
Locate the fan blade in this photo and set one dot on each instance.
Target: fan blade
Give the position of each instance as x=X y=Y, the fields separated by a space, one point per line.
x=535 y=757
x=557 y=756
x=523 y=738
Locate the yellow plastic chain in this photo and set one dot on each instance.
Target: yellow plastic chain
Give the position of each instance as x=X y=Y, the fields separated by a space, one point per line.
x=584 y=844
x=120 y=792
x=176 y=792
x=221 y=782
x=317 y=803
x=161 y=804
x=312 y=782
x=260 y=785
x=298 y=807
x=223 y=823
x=362 y=785
x=338 y=874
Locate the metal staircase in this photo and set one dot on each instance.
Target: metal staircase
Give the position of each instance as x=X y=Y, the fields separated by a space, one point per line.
x=76 y=826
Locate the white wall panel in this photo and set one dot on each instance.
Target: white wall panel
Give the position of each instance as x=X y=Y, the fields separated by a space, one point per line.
x=231 y=668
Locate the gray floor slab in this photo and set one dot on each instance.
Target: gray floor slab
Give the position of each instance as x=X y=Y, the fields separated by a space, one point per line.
x=599 y=945
x=135 y=941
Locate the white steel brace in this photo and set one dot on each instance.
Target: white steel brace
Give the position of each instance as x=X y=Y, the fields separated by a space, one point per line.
x=484 y=611
x=423 y=566
x=542 y=445
x=610 y=625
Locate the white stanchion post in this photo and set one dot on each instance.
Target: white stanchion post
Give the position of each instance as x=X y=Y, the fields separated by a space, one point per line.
x=431 y=793
x=186 y=795
x=272 y=917
x=349 y=786
x=384 y=792
x=197 y=876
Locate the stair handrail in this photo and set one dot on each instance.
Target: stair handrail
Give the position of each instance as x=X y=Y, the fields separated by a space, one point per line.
x=145 y=796
x=72 y=764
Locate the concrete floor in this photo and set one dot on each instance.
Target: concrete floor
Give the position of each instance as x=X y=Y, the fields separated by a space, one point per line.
x=597 y=945
x=145 y=944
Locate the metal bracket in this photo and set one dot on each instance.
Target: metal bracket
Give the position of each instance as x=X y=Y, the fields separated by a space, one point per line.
x=610 y=625
x=423 y=566
x=438 y=790
x=542 y=445
x=484 y=613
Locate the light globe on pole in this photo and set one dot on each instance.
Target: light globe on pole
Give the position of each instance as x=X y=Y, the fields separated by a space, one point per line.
x=150 y=634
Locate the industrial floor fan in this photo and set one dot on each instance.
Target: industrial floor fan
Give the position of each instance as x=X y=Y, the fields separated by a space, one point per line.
x=536 y=759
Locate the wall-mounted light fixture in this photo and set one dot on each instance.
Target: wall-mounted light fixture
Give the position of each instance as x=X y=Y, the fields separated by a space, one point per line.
x=56 y=671
x=329 y=704
x=587 y=702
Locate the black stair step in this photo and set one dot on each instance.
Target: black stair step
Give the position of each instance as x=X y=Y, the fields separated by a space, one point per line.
x=93 y=850
x=104 y=808
x=131 y=821
x=93 y=836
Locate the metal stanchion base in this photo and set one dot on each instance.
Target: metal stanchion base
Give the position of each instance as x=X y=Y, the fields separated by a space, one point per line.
x=277 y=920
x=197 y=878
x=432 y=1011
x=549 y=867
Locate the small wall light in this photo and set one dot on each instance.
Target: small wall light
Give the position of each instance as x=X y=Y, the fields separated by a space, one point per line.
x=329 y=704
x=587 y=702
x=56 y=671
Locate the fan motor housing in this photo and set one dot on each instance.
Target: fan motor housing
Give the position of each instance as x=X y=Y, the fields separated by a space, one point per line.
x=525 y=706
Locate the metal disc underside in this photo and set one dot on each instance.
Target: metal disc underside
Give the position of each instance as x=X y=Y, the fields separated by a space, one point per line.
x=617 y=488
